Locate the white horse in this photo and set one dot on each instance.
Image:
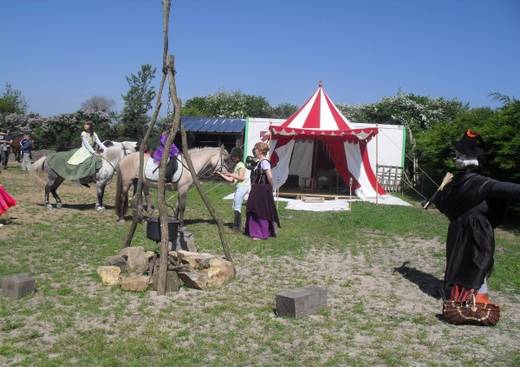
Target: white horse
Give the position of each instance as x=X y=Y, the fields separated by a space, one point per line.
x=111 y=157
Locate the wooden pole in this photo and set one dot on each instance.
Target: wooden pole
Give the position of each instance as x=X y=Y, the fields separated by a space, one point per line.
x=137 y=201
x=211 y=210
x=161 y=199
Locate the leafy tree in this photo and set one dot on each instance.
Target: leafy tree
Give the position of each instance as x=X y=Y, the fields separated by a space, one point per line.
x=228 y=104
x=98 y=104
x=283 y=110
x=11 y=102
x=138 y=101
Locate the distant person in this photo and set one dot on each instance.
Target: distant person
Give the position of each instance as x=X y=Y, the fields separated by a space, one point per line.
x=238 y=177
x=261 y=210
x=5 y=147
x=26 y=146
x=172 y=164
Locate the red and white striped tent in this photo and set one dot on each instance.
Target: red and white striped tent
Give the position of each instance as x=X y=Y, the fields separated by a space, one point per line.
x=292 y=144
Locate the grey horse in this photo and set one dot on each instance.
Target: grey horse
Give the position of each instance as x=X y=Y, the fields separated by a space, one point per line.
x=111 y=157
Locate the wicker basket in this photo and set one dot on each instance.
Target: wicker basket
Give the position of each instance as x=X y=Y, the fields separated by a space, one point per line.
x=471 y=313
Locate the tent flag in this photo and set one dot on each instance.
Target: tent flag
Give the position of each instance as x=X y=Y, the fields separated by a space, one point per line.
x=320 y=119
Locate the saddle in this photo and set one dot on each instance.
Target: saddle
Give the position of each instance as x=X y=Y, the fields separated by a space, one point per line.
x=151 y=170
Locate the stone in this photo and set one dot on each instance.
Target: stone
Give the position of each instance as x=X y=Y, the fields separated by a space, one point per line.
x=173 y=281
x=219 y=272
x=185 y=241
x=136 y=283
x=109 y=274
x=136 y=259
x=194 y=260
x=18 y=286
x=194 y=279
x=302 y=301
x=117 y=261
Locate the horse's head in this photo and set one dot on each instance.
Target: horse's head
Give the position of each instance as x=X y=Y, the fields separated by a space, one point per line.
x=221 y=159
x=130 y=146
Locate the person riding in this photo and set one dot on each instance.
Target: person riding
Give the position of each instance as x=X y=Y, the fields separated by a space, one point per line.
x=475 y=205
x=238 y=177
x=261 y=210
x=89 y=141
x=81 y=164
x=172 y=164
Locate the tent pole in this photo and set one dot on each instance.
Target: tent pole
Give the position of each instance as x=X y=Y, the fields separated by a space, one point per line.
x=377 y=164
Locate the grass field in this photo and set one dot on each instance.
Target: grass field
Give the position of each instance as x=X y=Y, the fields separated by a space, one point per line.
x=380 y=312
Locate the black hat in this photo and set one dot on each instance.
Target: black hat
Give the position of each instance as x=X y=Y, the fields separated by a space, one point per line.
x=236 y=152
x=471 y=144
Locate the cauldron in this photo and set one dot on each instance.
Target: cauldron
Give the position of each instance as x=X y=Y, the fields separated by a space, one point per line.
x=153 y=229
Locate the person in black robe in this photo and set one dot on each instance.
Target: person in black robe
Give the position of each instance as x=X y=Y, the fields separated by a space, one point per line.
x=475 y=205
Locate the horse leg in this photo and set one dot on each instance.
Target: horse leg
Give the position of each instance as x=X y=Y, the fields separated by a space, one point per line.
x=100 y=191
x=181 y=207
x=147 y=197
x=57 y=182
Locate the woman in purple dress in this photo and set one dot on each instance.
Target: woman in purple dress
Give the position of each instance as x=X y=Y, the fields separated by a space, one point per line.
x=171 y=167
x=261 y=210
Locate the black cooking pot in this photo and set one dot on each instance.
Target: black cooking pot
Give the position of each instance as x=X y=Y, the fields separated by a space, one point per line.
x=153 y=229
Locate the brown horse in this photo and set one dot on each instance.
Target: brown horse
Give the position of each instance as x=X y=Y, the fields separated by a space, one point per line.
x=204 y=159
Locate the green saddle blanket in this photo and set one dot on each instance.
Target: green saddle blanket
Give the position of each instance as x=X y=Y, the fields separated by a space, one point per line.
x=58 y=163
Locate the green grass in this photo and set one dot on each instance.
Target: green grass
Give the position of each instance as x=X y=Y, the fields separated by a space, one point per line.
x=73 y=320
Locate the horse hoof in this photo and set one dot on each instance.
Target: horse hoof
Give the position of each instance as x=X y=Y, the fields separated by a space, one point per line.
x=48 y=206
x=100 y=209
x=59 y=205
x=121 y=221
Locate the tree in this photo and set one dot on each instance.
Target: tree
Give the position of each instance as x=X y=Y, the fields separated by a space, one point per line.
x=12 y=101
x=138 y=102
x=98 y=104
x=283 y=110
x=228 y=104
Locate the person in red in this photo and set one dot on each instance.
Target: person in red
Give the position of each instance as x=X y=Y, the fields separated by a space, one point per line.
x=6 y=200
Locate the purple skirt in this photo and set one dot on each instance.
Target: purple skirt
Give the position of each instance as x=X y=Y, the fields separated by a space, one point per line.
x=259 y=228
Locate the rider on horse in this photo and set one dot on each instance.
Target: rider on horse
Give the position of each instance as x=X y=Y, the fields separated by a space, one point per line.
x=171 y=167
x=80 y=163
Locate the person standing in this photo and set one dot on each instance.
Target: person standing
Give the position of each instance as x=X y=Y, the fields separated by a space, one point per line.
x=475 y=205
x=238 y=177
x=5 y=147
x=261 y=210
x=26 y=145
x=6 y=201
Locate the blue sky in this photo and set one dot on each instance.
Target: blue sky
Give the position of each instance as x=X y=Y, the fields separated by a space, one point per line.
x=60 y=52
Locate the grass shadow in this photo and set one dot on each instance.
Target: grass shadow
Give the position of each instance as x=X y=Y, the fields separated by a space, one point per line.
x=427 y=283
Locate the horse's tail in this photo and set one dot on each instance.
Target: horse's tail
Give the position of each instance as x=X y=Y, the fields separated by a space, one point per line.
x=38 y=167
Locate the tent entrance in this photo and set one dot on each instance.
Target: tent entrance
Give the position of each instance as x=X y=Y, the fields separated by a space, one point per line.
x=312 y=171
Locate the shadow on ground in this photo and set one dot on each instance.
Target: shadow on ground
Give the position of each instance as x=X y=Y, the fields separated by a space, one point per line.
x=427 y=283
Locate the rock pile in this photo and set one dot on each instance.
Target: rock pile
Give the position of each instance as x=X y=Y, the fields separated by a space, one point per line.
x=136 y=269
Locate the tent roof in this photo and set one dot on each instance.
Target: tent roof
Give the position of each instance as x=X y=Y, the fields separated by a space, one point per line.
x=319 y=116
x=213 y=125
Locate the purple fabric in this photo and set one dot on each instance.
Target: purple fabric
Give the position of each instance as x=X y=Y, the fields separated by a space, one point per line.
x=157 y=153
x=259 y=228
